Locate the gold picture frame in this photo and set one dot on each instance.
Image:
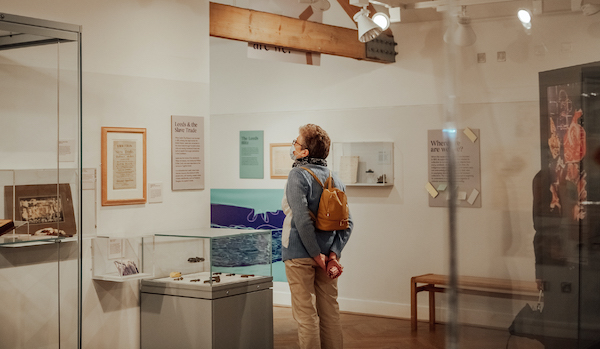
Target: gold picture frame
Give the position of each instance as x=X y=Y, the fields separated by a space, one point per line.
x=281 y=163
x=123 y=166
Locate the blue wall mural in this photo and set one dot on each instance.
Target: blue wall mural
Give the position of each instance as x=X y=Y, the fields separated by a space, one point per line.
x=248 y=209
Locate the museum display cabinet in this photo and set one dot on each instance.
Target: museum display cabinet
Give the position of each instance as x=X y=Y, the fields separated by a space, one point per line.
x=40 y=181
x=122 y=259
x=216 y=281
x=368 y=164
x=35 y=210
x=569 y=180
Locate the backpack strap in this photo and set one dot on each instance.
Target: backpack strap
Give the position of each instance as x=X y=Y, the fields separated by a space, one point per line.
x=312 y=215
x=315 y=176
x=329 y=182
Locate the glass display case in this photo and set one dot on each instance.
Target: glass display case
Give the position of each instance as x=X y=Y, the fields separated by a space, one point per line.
x=364 y=163
x=37 y=211
x=198 y=253
x=217 y=281
x=122 y=259
x=40 y=182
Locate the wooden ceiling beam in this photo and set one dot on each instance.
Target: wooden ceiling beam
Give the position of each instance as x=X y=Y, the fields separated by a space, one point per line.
x=234 y=23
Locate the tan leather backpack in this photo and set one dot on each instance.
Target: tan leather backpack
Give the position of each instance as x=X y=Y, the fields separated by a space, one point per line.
x=333 y=212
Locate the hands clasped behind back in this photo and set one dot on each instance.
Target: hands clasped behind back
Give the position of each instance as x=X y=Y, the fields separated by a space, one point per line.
x=329 y=265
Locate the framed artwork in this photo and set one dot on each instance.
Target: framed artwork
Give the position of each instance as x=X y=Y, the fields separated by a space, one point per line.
x=123 y=166
x=281 y=163
x=43 y=206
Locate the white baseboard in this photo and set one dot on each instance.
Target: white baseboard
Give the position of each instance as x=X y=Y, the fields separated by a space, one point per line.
x=281 y=296
x=474 y=317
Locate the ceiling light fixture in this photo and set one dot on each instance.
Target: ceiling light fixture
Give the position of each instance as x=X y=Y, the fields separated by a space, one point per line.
x=392 y=6
x=524 y=16
x=322 y=5
x=367 y=29
x=461 y=33
x=382 y=20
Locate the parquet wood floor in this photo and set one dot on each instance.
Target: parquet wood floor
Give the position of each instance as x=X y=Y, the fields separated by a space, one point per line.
x=366 y=332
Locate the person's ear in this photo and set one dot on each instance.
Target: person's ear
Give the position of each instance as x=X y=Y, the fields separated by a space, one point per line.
x=304 y=153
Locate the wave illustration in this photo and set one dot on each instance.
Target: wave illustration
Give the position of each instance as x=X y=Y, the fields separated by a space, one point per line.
x=248 y=250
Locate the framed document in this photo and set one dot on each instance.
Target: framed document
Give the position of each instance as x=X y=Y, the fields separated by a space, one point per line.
x=123 y=166
x=281 y=163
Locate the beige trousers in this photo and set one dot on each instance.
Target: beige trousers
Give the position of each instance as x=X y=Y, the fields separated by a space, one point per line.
x=314 y=305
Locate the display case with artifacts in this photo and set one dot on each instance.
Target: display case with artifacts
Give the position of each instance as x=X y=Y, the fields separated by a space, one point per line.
x=39 y=211
x=215 y=280
x=566 y=208
x=367 y=164
x=40 y=182
x=47 y=208
x=122 y=259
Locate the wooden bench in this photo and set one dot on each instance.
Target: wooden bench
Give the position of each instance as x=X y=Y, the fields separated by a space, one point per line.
x=481 y=286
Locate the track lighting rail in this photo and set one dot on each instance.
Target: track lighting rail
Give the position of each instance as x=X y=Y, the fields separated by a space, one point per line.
x=441 y=3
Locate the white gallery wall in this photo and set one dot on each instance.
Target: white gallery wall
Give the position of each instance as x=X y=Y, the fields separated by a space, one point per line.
x=143 y=61
x=396 y=234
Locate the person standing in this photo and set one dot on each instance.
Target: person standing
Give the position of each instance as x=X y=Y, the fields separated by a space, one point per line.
x=311 y=256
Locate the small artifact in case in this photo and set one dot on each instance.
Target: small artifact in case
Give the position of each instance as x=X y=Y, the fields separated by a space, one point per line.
x=126 y=267
x=50 y=232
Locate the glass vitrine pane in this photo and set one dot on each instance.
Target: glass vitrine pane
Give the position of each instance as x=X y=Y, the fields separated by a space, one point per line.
x=39 y=182
x=532 y=92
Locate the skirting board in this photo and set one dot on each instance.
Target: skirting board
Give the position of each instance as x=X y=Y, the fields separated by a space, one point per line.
x=481 y=318
x=281 y=296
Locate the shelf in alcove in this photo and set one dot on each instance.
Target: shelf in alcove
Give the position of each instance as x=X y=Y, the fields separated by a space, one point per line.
x=115 y=277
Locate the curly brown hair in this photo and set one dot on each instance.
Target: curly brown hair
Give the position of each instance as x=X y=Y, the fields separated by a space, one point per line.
x=316 y=140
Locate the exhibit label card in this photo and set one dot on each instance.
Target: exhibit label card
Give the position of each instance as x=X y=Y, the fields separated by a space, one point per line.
x=251 y=154
x=115 y=248
x=66 y=150
x=88 y=179
x=468 y=169
x=155 y=192
x=187 y=152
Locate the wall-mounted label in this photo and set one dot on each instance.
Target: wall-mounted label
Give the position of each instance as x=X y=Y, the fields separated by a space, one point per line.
x=155 y=192
x=251 y=154
x=187 y=152
x=468 y=169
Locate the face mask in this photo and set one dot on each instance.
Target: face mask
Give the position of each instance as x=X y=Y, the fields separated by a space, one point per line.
x=292 y=155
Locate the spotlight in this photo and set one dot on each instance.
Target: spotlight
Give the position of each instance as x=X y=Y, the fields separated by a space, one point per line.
x=464 y=35
x=322 y=5
x=382 y=20
x=461 y=33
x=524 y=16
x=367 y=29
